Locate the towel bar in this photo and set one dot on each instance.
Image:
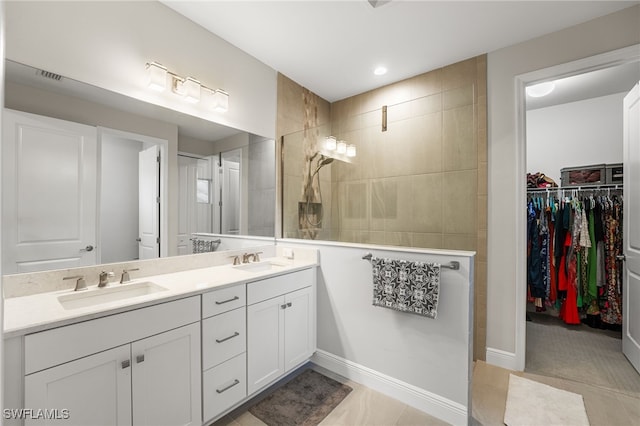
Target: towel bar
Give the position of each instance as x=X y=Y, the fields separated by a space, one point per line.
x=455 y=265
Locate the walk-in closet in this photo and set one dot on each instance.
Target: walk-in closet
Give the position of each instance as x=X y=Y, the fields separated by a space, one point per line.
x=575 y=202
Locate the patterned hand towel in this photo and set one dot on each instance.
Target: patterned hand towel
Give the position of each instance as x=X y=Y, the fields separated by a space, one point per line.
x=406 y=286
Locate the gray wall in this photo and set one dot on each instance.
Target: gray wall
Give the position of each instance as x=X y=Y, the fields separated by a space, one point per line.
x=611 y=32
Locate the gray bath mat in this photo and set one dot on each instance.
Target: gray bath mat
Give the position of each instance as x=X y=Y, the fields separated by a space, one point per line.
x=304 y=401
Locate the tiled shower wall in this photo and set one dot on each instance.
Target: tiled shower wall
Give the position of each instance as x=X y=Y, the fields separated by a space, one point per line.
x=421 y=183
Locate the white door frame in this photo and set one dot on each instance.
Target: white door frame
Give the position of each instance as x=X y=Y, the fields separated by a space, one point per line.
x=593 y=63
x=163 y=144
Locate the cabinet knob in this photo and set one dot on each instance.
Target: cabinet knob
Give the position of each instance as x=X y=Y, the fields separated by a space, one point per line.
x=283 y=306
x=126 y=364
x=288 y=304
x=140 y=358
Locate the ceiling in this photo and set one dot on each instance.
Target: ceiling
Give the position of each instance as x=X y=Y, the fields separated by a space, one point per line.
x=332 y=47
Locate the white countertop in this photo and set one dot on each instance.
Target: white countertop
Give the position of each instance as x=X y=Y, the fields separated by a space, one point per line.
x=38 y=312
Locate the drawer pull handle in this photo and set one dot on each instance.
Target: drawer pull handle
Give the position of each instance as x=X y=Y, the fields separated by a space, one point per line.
x=140 y=358
x=235 y=382
x=228 y=300
x=126 y=364
x=236 y=334
x=283 y=306
x=289 y=305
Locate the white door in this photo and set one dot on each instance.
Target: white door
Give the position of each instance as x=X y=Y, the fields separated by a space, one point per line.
x=187 y=172
x=166 y=378
x=231 y=197
x=631 y=228
x=265 y=343
x=96 y=390
x=48 y=192
x=149 y=207
x=298 y=328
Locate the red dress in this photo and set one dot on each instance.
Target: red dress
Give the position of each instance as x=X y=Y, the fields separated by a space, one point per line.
x=569 y=308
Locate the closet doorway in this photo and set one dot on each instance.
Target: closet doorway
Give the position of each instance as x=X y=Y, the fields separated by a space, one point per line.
x=574 y=204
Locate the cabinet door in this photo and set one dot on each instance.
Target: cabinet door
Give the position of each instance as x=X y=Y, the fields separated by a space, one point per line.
x=299 y=336
x=94 y=390
x=166 y=378
x=265 y=343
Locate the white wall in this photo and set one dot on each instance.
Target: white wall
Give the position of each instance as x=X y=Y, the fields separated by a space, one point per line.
x=423 y=362
x=574 y=134
x=107 y=44
x=119 y=199
x=591 y=38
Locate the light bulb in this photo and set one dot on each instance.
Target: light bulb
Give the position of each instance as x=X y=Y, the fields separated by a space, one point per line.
x=220 y=100
x=330 y=143
x=341 y=147
x=541 y=89
x=157 y=76
x=351 y=151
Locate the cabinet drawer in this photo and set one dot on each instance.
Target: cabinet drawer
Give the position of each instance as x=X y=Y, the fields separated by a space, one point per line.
x=224 y=386
x=272 y=287
x=223 y=300
x=223 y=337
x=59 y=345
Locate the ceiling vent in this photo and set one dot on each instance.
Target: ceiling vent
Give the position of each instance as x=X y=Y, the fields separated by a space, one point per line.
x=48 y=75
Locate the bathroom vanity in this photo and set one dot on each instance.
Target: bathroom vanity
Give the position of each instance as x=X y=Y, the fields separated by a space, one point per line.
x=178 y=348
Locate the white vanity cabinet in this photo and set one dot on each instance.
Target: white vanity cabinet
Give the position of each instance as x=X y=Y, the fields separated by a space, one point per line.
x=224 y=343
x=140 y=367
x=281 y=326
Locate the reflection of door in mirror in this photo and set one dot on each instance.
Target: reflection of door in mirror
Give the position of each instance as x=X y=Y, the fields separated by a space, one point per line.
x=49 y=193
x=195 y=199
x=231 y=192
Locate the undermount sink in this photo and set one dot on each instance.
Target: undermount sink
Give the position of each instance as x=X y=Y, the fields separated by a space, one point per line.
x=98 y=296
x=259 y=266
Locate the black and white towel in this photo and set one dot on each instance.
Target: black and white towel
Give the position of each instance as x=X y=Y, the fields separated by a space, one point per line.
x=406 y=286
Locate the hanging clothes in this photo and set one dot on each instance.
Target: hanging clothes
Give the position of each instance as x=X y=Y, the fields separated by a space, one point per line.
x=572 y=244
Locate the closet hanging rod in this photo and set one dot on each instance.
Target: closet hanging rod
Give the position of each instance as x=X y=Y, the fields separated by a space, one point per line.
x=455 y=265
x=577 y=188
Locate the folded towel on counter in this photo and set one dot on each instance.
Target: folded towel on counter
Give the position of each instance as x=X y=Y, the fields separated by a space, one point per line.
x=406 y=286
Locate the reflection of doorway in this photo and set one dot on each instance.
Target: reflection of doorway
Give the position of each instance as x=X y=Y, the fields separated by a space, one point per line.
x=230 y=192
x=563 y=344
x=131 y=196
x=194 y=199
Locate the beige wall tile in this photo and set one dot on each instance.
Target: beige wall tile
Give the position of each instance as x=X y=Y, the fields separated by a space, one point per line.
x=398 y=204
x=481 y=137
x=426 y=105
x=459 y=241
x=482 y=178
x=394 y=155
x=402 y=239
x=482 y=212
x=427 y=84
x=459 y=74
x=426 y=196
x=427 y=240
x=425 y=144
x=460 y=202
x=458 y=97
x=458 y=138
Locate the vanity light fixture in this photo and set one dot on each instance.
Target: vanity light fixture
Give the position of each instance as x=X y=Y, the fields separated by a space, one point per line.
x=220 y=100
x=351 y=151
x=341 y=147
x=157 y=76
x=541 y=89
x=330 y=143
x=188 y=87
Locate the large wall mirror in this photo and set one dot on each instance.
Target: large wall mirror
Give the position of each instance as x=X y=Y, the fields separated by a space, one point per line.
x=91 y=176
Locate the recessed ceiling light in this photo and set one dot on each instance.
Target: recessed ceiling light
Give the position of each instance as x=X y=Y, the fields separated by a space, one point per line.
x=380 y=70
x=541 y=89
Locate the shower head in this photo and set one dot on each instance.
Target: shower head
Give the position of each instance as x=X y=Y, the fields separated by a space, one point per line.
x=324 y=161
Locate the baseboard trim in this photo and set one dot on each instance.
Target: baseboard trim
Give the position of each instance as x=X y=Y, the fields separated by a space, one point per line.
x=432 y=404
x=502 y=359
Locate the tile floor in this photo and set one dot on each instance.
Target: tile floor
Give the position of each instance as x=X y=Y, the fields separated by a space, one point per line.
x=364 y=406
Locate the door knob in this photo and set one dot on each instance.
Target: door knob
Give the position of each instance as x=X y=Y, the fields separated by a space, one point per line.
x=87 y=248
x=138 y=239
x=621 y=257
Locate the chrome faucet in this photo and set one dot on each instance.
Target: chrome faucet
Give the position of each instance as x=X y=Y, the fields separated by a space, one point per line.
x=125 y=275
x=104 y=278
x=81 y=284
x=245 y=257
